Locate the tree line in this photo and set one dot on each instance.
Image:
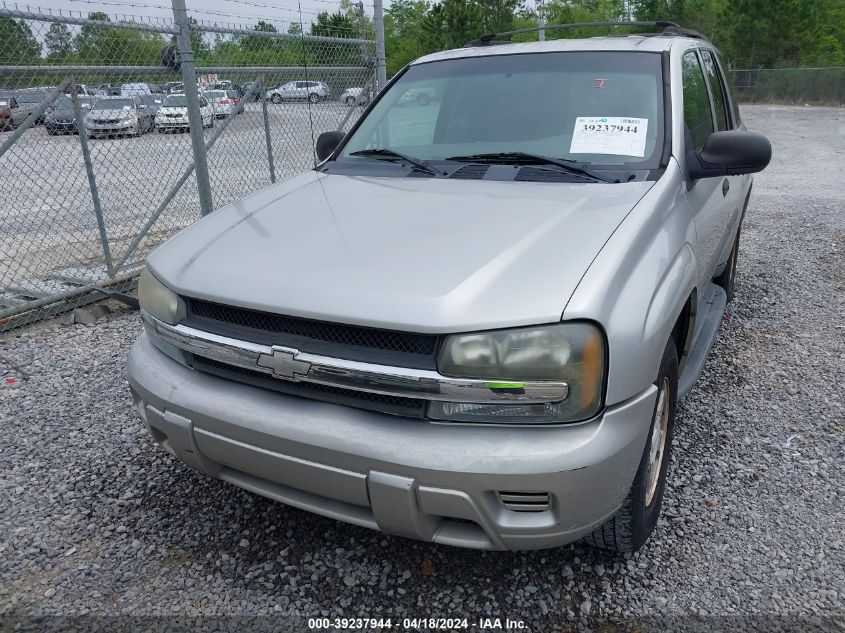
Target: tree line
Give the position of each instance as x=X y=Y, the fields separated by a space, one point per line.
x=95 y=44
x=751 y=33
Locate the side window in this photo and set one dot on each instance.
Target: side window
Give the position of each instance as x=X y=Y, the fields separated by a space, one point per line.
x=729 y=82
x=697 y=114
x=203 y=102
x=717 y=88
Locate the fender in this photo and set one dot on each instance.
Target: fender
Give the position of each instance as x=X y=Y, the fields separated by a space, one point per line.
x=671 y=294
x=638 y=285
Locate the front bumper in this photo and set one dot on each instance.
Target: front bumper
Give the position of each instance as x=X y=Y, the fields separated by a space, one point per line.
x=429 y=481
x=60 y=126
x=107 y=129
x=170 y=123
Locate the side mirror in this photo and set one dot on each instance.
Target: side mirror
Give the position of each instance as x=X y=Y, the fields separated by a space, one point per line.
x=327 y=142
x=730 y=154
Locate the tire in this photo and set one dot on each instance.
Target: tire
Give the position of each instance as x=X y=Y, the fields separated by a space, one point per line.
x=351 y=101
x=313 y=98
x=633 y=523
x=276 y=98
x=727 y=279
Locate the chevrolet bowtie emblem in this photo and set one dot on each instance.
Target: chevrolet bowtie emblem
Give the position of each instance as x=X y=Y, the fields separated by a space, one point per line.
x=284 y=364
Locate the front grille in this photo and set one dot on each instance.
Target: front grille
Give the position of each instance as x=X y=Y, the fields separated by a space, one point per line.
x=390 y=347
x=394 y=405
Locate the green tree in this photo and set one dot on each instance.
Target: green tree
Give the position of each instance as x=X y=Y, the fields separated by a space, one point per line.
x=336 y=24
x=451 y=24
x=85 y=41
x=17 y=44
x=198 y=44
x=256 y=43
x=403 y=32
x=59 y=42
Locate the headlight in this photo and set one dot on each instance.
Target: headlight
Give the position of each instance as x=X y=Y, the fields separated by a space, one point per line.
x=565 y=352
x=158 y=300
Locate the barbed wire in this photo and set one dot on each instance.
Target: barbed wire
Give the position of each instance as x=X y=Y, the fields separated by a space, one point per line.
x=277 y=19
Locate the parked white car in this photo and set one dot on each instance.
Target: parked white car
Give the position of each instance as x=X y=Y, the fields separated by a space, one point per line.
x=221 y=102
x=354 y=96
x=173 y=114
x=313 y=91
x=134 y=90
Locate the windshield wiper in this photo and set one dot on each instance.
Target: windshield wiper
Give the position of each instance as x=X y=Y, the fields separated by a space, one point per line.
x=389 y=154
x=524 y=158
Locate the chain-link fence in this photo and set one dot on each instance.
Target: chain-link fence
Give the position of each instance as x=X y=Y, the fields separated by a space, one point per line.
x=117 y=132
x=812 y=86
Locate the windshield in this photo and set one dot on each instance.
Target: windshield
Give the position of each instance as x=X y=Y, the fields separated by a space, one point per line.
x=31 y=97
x=114 y=104
x=175 y=101
x=601 y=108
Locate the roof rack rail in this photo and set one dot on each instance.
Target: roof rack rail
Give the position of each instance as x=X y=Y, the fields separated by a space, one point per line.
x=669 y=28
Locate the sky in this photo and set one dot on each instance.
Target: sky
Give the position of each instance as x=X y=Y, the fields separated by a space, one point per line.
x=242 y=12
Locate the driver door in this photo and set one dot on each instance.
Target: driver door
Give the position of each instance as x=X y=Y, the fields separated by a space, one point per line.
x=705 y=196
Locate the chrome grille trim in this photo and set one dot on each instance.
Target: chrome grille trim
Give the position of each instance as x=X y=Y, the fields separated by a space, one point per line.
x=295 y=366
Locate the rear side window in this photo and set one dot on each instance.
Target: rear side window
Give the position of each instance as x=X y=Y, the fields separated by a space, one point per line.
x=697 y=114
x=729 y=83
x=717 y=89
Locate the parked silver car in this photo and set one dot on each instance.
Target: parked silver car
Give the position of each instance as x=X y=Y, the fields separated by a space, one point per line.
x=118 y=116
x=173 y=114
x=354 y=96
x=313 y=91
x=472 y=322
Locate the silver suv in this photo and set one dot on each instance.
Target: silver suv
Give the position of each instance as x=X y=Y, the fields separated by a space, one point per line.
x=313 y=91
x=471 y=323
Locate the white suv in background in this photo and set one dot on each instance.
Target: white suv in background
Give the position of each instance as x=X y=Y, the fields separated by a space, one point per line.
x=313 y=91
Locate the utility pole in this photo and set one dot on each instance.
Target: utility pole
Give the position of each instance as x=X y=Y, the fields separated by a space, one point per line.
x=189 y=78
x=381 y=62
x=541 y=10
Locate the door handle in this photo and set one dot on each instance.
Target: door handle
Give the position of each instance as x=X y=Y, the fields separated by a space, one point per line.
x=725 y=187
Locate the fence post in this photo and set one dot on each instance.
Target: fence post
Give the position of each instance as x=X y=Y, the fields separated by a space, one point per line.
x=381 y=61
x=92 y=181
x=189 y=78
x=267 y=129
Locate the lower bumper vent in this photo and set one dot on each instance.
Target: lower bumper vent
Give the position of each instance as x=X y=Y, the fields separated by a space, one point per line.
x=525 y=501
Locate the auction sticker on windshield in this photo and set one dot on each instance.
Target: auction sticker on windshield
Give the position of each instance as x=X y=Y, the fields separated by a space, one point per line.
x=609 y=135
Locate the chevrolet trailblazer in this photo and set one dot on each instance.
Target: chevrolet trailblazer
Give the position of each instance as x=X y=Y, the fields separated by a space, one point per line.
x=471 y=322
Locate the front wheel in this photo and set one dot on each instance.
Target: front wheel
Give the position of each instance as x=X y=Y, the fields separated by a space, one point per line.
x=277 y=99
x=350 y=101
x=633 y=523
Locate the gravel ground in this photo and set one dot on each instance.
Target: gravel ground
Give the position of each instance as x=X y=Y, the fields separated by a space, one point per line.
x=97 y=520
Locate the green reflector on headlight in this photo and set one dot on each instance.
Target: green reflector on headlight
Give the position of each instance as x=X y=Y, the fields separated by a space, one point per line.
x=505 y=385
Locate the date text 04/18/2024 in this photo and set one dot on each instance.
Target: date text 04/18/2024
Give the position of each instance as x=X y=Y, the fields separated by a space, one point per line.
x=418 y=623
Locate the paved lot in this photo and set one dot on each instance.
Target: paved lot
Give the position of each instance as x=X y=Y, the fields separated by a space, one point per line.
x=47 y=217
x=98 y=520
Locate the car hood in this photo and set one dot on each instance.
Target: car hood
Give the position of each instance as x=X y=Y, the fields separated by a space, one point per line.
x=418 y=254
x=173 y=110
x=63 y=114
x=111 y=113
